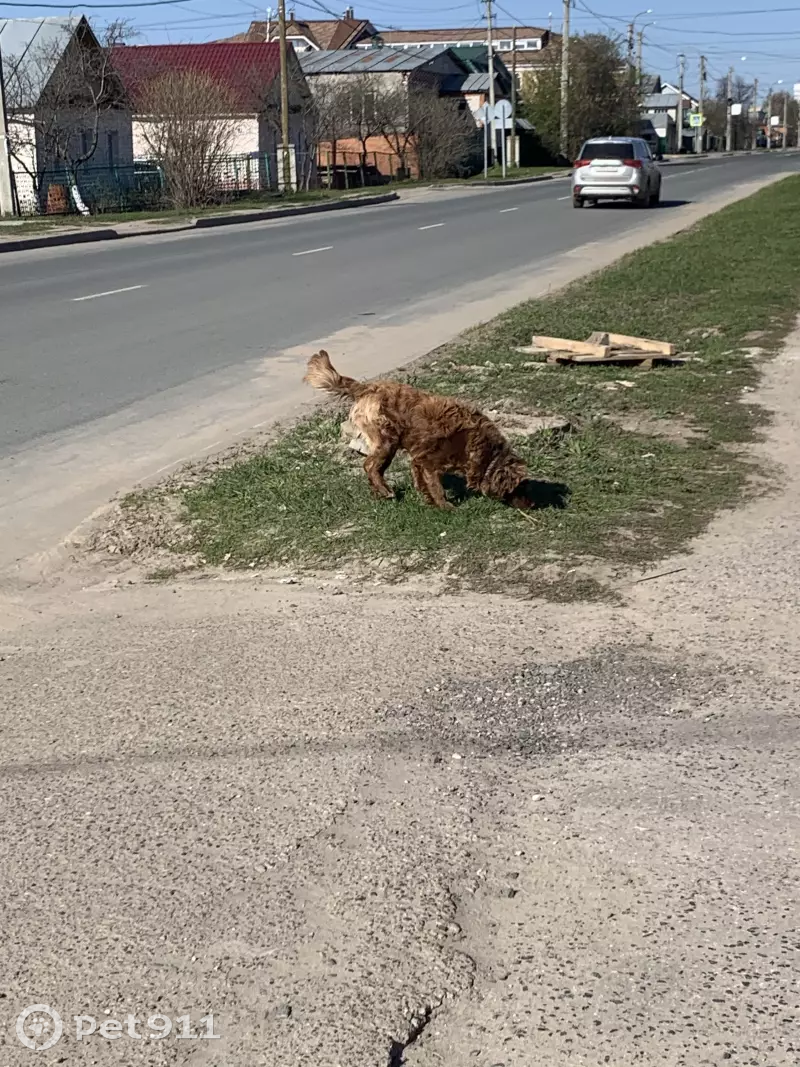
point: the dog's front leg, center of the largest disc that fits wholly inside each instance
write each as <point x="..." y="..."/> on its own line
<point x="375" y="466"/>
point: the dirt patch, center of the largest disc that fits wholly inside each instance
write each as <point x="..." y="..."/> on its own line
<point x="674" y="430"/>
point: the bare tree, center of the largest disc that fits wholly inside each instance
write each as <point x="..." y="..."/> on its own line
<point x="332" y="121"/>
<point x="189" y="126"/>
<point x="744" y="127"/>
<point x="394" y="114"/>
<point x="446" y="138"/>
<point x="360" y="111"/>
<point x="57" y="96"/>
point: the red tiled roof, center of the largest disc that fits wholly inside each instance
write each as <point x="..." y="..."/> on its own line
<point x="247" y="70"/>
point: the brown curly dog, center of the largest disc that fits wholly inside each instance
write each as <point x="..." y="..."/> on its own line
<point x="441" y="435"/>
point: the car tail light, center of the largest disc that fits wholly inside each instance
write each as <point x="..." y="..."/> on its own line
<point x="581" y="163"/>
<point x="635" y="163"/>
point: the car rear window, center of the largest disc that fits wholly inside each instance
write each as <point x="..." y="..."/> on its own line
<point x="608" y="150"/>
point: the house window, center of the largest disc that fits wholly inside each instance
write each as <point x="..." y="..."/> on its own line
<point x="505" y="46"/>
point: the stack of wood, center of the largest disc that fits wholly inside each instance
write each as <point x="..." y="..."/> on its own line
<point x="603" y="348"/>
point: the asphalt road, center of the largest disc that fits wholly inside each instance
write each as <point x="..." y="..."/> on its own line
<point x="88" y="330"/>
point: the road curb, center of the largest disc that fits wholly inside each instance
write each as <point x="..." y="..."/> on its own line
<point x="530" y="181"/>
<point x="53" y="240"/>
<point x="289" y="212"/>
<point x="207" y="222"/>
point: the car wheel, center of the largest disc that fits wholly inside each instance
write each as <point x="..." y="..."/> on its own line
<point x="577" y="201"/>
<point x="655" y="198"/>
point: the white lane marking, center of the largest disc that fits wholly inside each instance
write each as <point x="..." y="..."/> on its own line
<point x="506" y="210"/>
<point x="564" y="197"/>
<point x="433" y="226"/>
<point x="311" y="251"/>
<point x="108" y="292"/>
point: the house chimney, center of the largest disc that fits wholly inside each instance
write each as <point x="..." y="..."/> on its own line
<point x="349" y="13"/>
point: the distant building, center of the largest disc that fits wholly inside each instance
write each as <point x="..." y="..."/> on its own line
<point x="525" y="47"/>
<point x="311" y="35"/>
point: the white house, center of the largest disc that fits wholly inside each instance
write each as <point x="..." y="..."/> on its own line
<point x="248" y="74"/>
<point x="67" y="119"/>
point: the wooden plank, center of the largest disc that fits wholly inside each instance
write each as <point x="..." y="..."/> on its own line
<point x="644" y="344"/>
<point x="563" y="344"/>
<point x="634" y="355"/>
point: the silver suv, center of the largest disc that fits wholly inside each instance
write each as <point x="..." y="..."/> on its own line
<point x="616" y="168"/>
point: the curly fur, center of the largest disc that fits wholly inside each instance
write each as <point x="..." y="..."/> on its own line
<point x="441" y="435"/>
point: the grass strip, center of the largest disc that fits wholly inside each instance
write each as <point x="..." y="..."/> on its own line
<point x="648" y="463"/>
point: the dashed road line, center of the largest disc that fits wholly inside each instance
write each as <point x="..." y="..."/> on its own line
<point x="108" y="292"/>
<point x="311" y="251"/>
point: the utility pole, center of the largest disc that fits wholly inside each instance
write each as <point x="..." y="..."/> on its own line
<point x="785" y="119"/>
<point x="639" y="39"/>
<point x="679" y="113"/>
<point x="564" y="132"/>
<point x="769" y="119"/>
<point x="729" y="117"/>
<point x="6" y="187"/>
<point x="287" y="166"/>
<point x="492" y="100"/>
<point x="698" y="133"/>
<point x="754" y="135"/>
<point x="515" y="153"/>
<point x="630" y="45"/>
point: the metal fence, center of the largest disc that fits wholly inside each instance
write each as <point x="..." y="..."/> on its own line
<point x="144" y="186"/>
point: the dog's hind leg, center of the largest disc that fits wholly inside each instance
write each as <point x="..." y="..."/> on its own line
<point x="434" y="491"/>
<point x="375" y="466"/>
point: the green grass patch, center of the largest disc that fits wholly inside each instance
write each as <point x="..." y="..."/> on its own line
<point x="648" y="464"/>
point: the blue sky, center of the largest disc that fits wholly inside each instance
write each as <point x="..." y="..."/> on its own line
<point x="758" y="41"/>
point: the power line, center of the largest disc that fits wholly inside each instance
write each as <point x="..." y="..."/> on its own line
<point x="91" y="7"/>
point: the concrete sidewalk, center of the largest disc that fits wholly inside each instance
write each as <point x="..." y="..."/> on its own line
<point x="366" y="827"/>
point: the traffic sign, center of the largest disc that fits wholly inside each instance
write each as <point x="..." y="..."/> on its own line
<point x="696" y="119"/>
<point x="502" y="115"/>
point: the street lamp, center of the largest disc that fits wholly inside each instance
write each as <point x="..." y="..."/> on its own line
<point x="639" y="39"/>
<point x="768" y="132"/>
<point x="631" y="28"/>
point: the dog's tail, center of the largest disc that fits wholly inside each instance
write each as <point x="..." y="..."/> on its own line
<point x="322" y="374"/>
